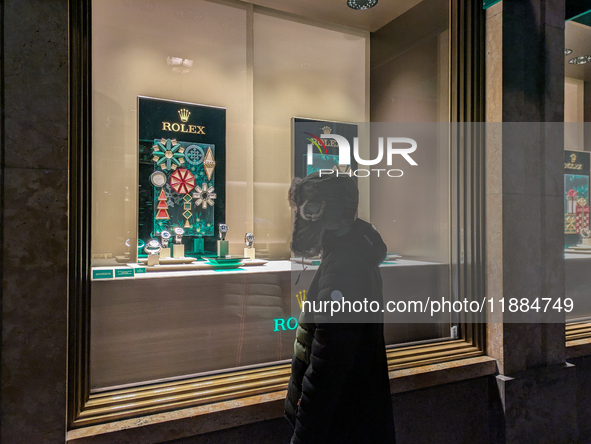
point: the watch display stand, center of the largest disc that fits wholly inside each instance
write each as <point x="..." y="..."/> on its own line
<point x="165" y="253"/>
<point x="249" y="253"/>
<point x="198" y="245"/>
<point x="223" y="248"/>
<point x="153" y="259"/>
<point x="178" y="251"/>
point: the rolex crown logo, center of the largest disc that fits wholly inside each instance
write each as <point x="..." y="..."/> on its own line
<point x="184" y="113"/>
<point x="301" y="297"/>
<point x="573" y="157"/>
<point x="326" y="129"/>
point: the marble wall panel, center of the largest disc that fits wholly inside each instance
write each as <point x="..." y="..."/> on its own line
<point x="34" y="312"/>
<point x="553" y="99"/>
<point x="539" y="406"/>
<point x="494" y="63"/>
<point x="36" y="83"/>
<point x="34" y="319"/>
<point x="275" y="431"/>
<point x="457" y="412"/>
<point x="583" y="402"/>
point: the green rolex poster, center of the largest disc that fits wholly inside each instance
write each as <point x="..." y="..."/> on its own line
<point x="181" y="169"/>
<point x="576" y="196"/>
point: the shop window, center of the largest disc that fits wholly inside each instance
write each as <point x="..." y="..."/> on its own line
<point x="577" y="145"/>
<point x="191" y="133"/>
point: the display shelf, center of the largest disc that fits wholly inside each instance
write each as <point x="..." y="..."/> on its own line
<point x="205" y="269"/>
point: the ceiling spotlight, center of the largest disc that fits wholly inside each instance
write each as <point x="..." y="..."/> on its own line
<point x="579" y="60"/>
<point x="568" y="51"/>
<point x="361" y="4"/>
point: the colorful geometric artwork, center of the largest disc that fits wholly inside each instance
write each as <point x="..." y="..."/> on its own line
<point x="194" y="155"/>
<point x="187" y="206"/>
<point x="168" y="154"/>
<point x="182" y="181"/>
<point x="209" y="163"/>
<point x="180" y="187"/>
<point x="204" y="196"/>
<point x="162" y="208"/>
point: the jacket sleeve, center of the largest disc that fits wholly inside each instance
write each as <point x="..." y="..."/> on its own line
<point x="331" y="360"/>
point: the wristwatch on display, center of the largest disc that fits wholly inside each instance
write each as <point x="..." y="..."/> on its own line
<point x="153" y="247"/>
<point x="179" y="235"/>
<point x="165" y="236"/>
<point x="223" y="231"/>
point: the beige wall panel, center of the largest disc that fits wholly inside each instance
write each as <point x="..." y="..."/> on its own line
<point x="305" y="71"/>
<point x="131" y="43"/>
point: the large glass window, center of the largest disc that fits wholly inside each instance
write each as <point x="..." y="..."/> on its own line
<point x="577" y="145"/>
<point x="194" y="146"/>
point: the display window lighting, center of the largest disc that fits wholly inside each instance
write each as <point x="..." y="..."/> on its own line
<point x="179" y="65"/>
<point x="581" y="60"/>
<point x="361" y="4"/>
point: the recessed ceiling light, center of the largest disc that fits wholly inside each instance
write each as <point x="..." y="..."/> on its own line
<point x="361" y="4"/>
<point x="568" y="51"/>
<point x="579" y="60"/>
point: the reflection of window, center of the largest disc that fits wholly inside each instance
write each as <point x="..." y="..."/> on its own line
<point x="173" y="339"/>
<point x="576" y="178"/>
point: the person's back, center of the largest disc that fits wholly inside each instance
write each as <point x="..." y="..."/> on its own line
<point x="339" y="389"/>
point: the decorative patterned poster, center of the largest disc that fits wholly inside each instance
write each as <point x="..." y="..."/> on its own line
<point x="576" y="195"/>
<point x="325" y="151"/>
<point x="181" y="168"/>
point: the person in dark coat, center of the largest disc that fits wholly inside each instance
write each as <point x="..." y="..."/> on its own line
<point x="339" y="389"/>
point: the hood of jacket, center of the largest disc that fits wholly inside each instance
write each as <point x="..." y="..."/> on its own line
<point x="361" y="240"/>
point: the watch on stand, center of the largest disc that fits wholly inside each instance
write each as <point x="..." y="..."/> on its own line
<point x="178" y="249"/>
<point x="153" y="248"/>
<point x="249" y="251"/>
<point x="222" y="244"/>
<point x="165" y="239"/>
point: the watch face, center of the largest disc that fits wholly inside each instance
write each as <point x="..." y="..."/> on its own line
<point x="158" y="179"/>
<point x="179" y="230"/>
<point x="153" y="244"/>
<point x="223" y="228"/>
<point x="249" y="239"/>
<point x="165" y="235"/>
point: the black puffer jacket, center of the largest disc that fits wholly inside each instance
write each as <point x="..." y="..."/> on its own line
<point x="339" y="390"/>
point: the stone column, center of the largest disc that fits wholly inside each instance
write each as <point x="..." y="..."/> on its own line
<point x="34" y="223"/>
<point x="525" y="83"/>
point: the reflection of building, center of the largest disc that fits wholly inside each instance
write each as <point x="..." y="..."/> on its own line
<point x="514" y="387"/>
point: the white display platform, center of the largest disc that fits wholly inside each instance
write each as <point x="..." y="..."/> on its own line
<point x="256" y="266"/>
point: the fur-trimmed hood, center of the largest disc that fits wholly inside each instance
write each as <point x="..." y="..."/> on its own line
<point x="321" y="203"/>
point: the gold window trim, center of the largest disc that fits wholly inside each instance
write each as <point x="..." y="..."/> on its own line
<point x="116" y="405"/>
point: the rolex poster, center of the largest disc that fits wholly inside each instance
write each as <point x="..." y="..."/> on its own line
<point x="181" y="169"/>
<point x="325" y="151"/>
<point x="576" y="196"/>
